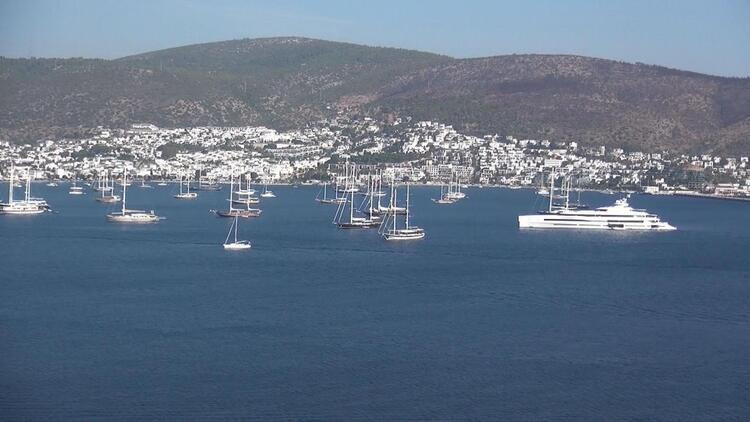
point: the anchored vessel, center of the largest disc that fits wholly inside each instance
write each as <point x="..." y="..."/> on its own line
<point x="237" y="245"/>
<point x="620" y="216"/>
<point x="131" y="216"/>
<point x="75" y="189"/>
<point x="350" y="221"/>
<point x="237" y="212"/>
<point x="267" y="193"/>
<point x="185" y="194"/>
<point x="326" y="200"/>
<point x="27" y="206"/>
<point x="408" y="232"/>
<point x="107" y="190"/>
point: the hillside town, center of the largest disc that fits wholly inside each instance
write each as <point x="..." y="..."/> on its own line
<point x="419" y="151"/>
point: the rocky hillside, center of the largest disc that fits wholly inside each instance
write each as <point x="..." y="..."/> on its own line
<point x="285" y="82"/>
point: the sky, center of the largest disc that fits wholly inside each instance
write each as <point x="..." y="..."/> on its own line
<point x="704" y="36"/>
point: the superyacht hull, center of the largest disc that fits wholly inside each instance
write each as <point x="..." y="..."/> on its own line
<point x="583" y="222"/>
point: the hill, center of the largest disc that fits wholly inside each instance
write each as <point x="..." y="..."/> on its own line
<point x="285" y="82"/>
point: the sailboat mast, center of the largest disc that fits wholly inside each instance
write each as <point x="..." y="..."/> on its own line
<point x="231" y="191"/>
<point x="124" y="188"/>
<point x="351" y="205"/>
<point x="551" y="188"/>
<point x="395" y="202"/>
<point x="10" y="185"/>
<point x="407" y="205"/>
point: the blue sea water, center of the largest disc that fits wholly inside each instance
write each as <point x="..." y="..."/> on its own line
<point x="479" y="320"/>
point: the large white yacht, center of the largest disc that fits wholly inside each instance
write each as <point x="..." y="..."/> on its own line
<point x="620" y="216"/>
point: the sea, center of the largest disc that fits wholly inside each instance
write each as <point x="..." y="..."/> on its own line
<point x="477" y="321"/>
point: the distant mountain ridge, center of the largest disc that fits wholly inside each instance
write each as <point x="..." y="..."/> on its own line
<point x="287" y="81"/>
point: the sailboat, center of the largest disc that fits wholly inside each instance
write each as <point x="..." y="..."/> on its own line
<point x="543" y="191"/>
<point x="325" y="199"/>
<point x="244" y="192"/>
<point x="108" y="192"/>
<point x="445" y="197"/>
<point x="144" y="185"/>
<point x="267" y="193"/>
<point x="408" y="232"/>
<point x="185" y="194"/>
<point x="351" y="222"/>
<point x="210" y="185"/>
<point x="236" y="212"/>
<point x="75" y="189"/>
<point x="27" y="206"/>
<point x="237" y="245"/>
<point x="131" y="216"/>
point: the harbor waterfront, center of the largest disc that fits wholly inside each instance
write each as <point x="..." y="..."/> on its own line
<point x="478" y="320"/>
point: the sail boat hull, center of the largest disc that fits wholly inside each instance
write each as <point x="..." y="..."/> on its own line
<point x="133" y="217"/>
<point x="237" y="246"/>
<point x="239" y="213"/>
<point x="404" y="234"/>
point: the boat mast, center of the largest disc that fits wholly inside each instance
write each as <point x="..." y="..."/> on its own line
<point x="351" y="205"/>
<point x="407" y="205"/>
<point x="231" y="190"/>
<point x="551" y="188"/>
<point x="394" y="204"/>
<point x="124" y="188"/>
<point x="28" y="185"/>
<point x="10" y="185"/>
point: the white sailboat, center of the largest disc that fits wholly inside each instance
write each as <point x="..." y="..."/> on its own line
<point x="408" y="232"/>
<point x="131" y="216"/>
<point x="325" y="199"/>
<point x="351" y="222"/>
<point x="236" y="245"/>
<point x="185" y="194"/>
<point x="267" y="193"/>
<point x="75" y="189"/>
<point x="27" y="206"/>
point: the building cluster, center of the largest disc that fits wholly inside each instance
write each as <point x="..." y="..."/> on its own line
<point x="419" y="151"/>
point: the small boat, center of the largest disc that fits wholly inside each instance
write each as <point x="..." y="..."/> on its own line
<point x="162" y="183"/>
<point x="267" y="193"/>
<point x="236" y="245"/>
<point x="131" y="216"/>
<point x="185" y="194"/>
<point x="144" y="185"/>
<point x="75" y="189"/>
<point x="325" y="199"/>
<point x="52" y="184"/>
